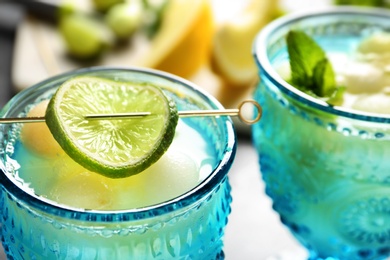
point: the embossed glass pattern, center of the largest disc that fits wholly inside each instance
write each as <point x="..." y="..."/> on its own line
<point x="188" y="227"/>
<point x="327" y="169"/>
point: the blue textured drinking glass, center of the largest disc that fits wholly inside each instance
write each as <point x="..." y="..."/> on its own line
<point x="326" y="168"/>
<point x="190" y="226"/>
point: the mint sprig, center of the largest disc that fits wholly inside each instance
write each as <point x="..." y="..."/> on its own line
<point x="311" y="71"/>
<point x="373" y="3"/>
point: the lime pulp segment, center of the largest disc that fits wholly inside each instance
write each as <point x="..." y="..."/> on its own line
<point x="114" y="148"/>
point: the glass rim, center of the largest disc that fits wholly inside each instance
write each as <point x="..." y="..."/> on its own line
<point x="259" y="52"/>
<point x="200" y="190"/>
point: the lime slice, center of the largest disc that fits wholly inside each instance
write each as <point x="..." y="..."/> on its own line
<point x="114" y="148"/>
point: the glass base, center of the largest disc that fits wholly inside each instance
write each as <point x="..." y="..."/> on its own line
<point x="293" y="254"/>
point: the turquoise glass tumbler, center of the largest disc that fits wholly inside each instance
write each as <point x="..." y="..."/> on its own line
<point x="190" y="226"/>
<point x="326" y="168"/>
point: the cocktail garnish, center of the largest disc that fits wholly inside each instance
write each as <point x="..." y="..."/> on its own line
<point x="191" y="113"/>
<point x="114" y="148"/>
<point x="89" y="118"/>
<point x="311" y="71"/>
<point x="128" y="115"/>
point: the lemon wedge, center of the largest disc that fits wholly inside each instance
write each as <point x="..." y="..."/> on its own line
<point x="183" y="42"/>
<point x="232" y="44"/>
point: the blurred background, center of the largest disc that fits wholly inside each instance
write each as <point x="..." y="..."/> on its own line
<point x="205" y="41"/>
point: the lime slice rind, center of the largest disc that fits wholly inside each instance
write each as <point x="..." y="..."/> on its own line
<point x="114" y="148"/>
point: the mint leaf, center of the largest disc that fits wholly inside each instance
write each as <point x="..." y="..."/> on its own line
<point x="304" y="55"/>
<point x="311" y="71"/>
<point x="324" y="78"/>
<point x="336" y="96"/>
<point x="373" y="3"/>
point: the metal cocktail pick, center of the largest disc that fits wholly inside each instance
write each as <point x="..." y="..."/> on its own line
<point x="186" y="113"/>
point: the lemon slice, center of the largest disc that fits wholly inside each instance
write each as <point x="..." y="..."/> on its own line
<point x="114" y="148"/>
<point x="232" y="45"/>
<point x="183" y="42"/>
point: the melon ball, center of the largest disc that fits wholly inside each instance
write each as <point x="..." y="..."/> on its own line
<point x="378" y="43"/>
<point x="174" y="174"/>
<point x="363" y="77"/>
<point x="37" y="136"/>
<point x="374" y="103"/>
<point x="82" y="189"/>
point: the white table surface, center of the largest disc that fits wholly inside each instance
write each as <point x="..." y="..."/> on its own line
<point x="254" y="230"/>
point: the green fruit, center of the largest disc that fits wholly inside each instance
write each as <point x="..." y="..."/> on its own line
<point x="84" y="36"/>
<point x="124" y="19"/>
<point x="115" y="148"/>
<point x="104" y="5"/>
